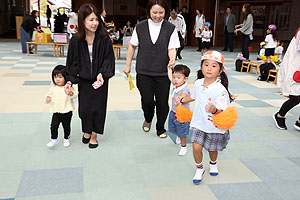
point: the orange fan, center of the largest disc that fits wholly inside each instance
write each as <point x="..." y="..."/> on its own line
<point x="183" y="114"/>
<point x="226" y="119"/>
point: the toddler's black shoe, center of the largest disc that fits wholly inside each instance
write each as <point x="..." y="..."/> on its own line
<point x="279" y="122"/>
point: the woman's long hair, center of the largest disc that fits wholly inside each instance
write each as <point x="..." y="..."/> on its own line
<point x="84" y="11"/>
<point x="247" y="12"/>
<point x="223" y="77"/>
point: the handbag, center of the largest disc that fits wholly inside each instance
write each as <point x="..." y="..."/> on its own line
<point x="296" y="76"/>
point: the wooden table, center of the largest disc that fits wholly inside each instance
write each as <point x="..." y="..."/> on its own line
<point x="35" y="46"/>
<point x="117" y="50"/>
<point x="61" y="49"/>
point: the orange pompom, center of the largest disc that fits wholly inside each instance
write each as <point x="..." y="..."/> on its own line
<point x="183" y="114"/>
<point x="226" y="119"/>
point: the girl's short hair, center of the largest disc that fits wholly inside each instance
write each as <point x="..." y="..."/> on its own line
<point x="59" y="69"/>
<point x="84" y="11"/>
<point x="223" y="77"/>
<point x="162" y="3"/>
<point x="185" y="70"/>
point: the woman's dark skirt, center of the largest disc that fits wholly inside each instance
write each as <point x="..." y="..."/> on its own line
<point x="92" y="106"/>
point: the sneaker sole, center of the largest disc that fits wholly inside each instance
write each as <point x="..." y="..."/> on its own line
<point x="196" y="181"/>
<point x="277" y="124"/>
<point x="297" y="127"/>
<point x="214" y="174"/>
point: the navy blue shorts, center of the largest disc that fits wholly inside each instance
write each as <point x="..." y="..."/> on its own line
<point x="182" y="129"/>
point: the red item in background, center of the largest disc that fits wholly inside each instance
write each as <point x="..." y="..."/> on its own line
<point x="71" y="26"/>
<point x="250" y="49"/>
<point x="296" y="76"/>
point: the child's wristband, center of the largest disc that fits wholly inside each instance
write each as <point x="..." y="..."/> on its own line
<point x="215" y="111"/>
<point x="181" y="100"/>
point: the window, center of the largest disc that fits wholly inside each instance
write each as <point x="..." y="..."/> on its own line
<point x="280" y="15"/>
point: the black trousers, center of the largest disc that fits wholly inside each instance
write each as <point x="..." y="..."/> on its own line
<point x="228" y="40"/>
<point x="181" y="40"/>
<point x="65" y="119"/>
<point x="92" y="106"/>
<point x="199" y="39"/>
<point x="245" y="46"/>
<point x="289" y="104"/>
<point x="154" y="92"/>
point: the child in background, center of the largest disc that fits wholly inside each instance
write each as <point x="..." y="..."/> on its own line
<point x="261" y="51"/>
<point x="179" y="77"/>
<point x="61" y="105"/>
<point x="279" y="51"/>
<point x="271" y="42"/>
<point x="211" y="97"/>
<point x="206" y="35"/>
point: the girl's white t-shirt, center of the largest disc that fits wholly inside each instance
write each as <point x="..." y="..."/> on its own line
<point x="271" y="43"/>
<point x="154" y="29"/>
<point x="215" y="93"/>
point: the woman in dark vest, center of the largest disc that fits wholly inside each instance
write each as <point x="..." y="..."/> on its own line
<point x="90" y="60"/>
<point x="157" y="40"/>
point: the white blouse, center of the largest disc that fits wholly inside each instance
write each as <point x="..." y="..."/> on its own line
<point x="154" y="29"/>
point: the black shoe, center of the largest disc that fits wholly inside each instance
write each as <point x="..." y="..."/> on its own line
<point x="231" y="50"/>
<point x="179" y="57"/>
<point x="224" y="49"/>
<point x="279" y="122"/>
<point x="93" y="146"/>
<point x="85" y="140"/>
<point x="297" y="125"/>
<point x="198" y="50"/>
<point x="30" y="52"/>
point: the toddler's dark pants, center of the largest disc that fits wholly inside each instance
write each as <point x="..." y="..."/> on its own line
<point x="65" y="119"/>
<point x="289" y="104"/>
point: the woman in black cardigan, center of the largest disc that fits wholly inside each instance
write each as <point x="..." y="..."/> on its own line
<point x="90" y="59"/>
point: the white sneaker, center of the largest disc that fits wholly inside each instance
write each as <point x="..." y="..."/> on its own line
<point x="183" y="151"/>
<point x="213" y="170"/>
<point x="52" y="143"/>
<point x="198" y="176"/>
<point x="66" y="142"/>
<point x="178" y="141"/>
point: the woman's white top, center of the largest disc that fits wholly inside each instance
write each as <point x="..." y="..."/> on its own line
<point x="199" y="25"/>
<point x="290" y="64"/>
<point x="91" y="52"/>
<point x="216" y="94"/>
<point x="271" y="43"/>
<point x="154" y="29"/>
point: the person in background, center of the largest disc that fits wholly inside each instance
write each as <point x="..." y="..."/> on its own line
<point x="279" y="51"/>
<point x="206" y="36"/>
<point x="180" y="25"/>
<point x="27" y="27"/>
<point x="229" y="23"/>
<point x="246" y="28"/>
<point x="271" y="42"/>
<point x="72" y="23"/>
<point x="127" y="29"/>
<point x="198" y="27"/>
<point x="186" y="17"/>
<point x="48" y="14"/>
